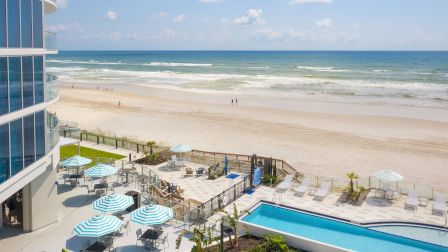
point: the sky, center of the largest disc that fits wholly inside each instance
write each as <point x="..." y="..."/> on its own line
<point x="250" y="24"/>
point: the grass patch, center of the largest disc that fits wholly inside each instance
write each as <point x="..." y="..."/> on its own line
<point x="94" y="154"/>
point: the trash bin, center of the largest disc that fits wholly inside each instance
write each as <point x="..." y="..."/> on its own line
<point x="136" y="196"/>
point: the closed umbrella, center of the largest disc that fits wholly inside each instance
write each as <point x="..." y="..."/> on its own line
<point x="98" y="226"/>
<point x="152" y="215"/>
<point x="113" y="203"/>
<point x="226" y="163"/>
<point x="101" y="170"/>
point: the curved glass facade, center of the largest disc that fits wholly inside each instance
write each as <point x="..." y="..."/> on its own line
<point x="21" y="23"/>
<point x="23" y="141"/>
<point x="21" y="82"/>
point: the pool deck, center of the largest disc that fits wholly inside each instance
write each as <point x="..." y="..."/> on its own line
<point x="75" y="206"/>
<point x="372" y="210"/>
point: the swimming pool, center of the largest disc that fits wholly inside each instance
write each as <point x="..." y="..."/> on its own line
<point x="338" y="234"/>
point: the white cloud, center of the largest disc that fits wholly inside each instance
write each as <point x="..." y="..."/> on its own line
<point x="418" y="36"/>
<point x="111" y="15"/>
<point x="62" y="3"/>
<point x="289" y="34"/>
<point x="324" y="23"/>
<point x="294" y="2"/>
<point x="210" y="1"/>
<point x="162" y="14"/>
<point x="179" y="18"/>
<point x="253" y="16"/>
<point x="72" y="27"/>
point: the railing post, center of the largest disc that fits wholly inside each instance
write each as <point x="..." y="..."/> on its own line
<point x="80" y="137"/>
<point x="116" y="143"/>
<point x="97" y="140"/>
<point x="137" y="149"/>
<point x="234" y="192"/>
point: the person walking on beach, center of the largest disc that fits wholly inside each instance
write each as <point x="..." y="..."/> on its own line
<point x="232" y="102"/>
<point x="236" y="100"/>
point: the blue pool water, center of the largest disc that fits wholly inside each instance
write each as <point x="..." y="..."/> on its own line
<point x="333" y="232"/>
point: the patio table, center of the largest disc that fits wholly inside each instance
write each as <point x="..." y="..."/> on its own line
<point x="151" y="235"/>
<point x="99" y="246"/>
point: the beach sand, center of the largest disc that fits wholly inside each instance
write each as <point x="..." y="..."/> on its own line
<point x="319" y="138"/>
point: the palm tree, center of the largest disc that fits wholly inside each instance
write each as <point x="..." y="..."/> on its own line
<point x="232" y="220"/>
<point x="352" y="176"/>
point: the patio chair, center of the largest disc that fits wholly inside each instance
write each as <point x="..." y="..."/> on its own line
<point x="303" y="187"/>
<point x="162" y="241"/>
<point x="200" y="171"/>
<point x="89" y="191"/>
<point x="412" y="200"/>
<point x="286" y="182"/>
<point x="139" y="239"/>
<point x="188" y="171"/>
<point x="125" y="226"/>
<point x="173" y="162"/>
<point x="439" y="204"/>
<point x="322" y="191"/>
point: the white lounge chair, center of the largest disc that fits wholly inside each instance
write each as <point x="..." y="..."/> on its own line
<point x="322" y="192"/>
<point x="439" y="204"/>
<point x="412" y="200"/>
<point x="286" y="182"/>
<point x="301" y="189"/>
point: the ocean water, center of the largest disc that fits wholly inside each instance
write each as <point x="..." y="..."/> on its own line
<point x="405" y="78"/>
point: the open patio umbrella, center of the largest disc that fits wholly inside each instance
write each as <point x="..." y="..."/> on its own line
<point x="98" y="226"/>
<point x="101" y="170"/>
<point x="180" y="148"/>
<point x="113" y="203"/>
<point x="75" y="161"/>
<point x="388" y="176"/>
<point x="152" y="215"/>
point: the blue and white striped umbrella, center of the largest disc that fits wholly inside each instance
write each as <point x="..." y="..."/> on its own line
<point x="152" y="215"/>
<point x="180" y="148"/>
<point x="98" y="226"/>
<point x="113" y="203"/>
<point x="101" y="170"/>
<point x="387" y="175"/>
<point x="75" y="161"/>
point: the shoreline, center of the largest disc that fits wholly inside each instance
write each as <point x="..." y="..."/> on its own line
<point x="298" y="132"/>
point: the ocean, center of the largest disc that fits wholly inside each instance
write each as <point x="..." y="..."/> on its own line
<point x="404" y="78"/>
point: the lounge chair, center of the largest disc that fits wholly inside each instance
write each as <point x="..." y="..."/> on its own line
<point x="439" y="204"/>
<point x="303" y="187"/>
<point x="322" y="191"/>
<point x="188" y="171"/>
<point x="200" y="171"/>
<point x="286" y="182"/>
<point x="412" y="200"/>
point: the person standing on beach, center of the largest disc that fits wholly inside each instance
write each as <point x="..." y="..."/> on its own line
<point x="119" y="103"/>
<point x="236" y="100"/>
<point x="232" y="101"/>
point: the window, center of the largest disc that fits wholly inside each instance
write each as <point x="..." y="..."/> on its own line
<point x="3" y="85"/>
<point x="27" y="77"/>
<point x="15" y="84"/>
<point x="16" y="146"/>
<point x="38" y="79"/>
<point x="3" y="39"/>
<point x="26" y="23"/>
<point x="40" y="134"/>
<point x="28" y="140"/>
<point x="4" y="152"/>
<point x="13" y="23"/>
<point x="37" y="24"/>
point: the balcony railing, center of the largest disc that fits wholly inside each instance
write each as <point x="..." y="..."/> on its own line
<point x="51" y="42"/>
<point x="51" y="89"/>
<point x="52" y="131"/>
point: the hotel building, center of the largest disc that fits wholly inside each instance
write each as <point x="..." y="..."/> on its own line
<point x="29" y="151"/>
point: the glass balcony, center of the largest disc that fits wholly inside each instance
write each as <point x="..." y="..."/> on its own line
<point x="51" y="42"/>
<point x="52" y="131"/>
<point x="51" y="89"/>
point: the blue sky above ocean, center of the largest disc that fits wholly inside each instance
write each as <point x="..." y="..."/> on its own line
<point x="251" y="24"/>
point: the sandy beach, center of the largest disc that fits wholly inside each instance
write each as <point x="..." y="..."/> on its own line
<point x="319" y="138"/>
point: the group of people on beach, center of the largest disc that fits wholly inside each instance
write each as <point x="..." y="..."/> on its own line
<point x="236" y="101"/>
